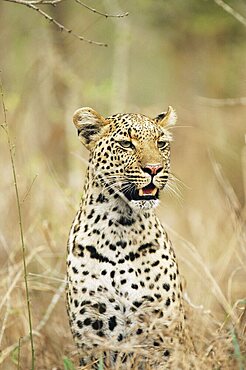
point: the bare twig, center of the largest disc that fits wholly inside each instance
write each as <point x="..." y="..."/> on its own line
<point x="106" y="15"/>
<point x="61" y="27"/>
<point x="23" y="246"/>
<point x="40" y="2"/>
<point x="231" y="11"/>
<point x="36" y="2"/>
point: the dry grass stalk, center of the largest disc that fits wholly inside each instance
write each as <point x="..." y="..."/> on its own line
<point x="18" y="203"/>
<point x="36" y="330"/>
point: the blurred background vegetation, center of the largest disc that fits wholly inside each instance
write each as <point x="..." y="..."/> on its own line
<point x="188" y="54"/>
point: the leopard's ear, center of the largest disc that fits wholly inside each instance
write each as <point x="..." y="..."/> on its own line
<point x="89" y="124"/>
<point x="168" y="118"/>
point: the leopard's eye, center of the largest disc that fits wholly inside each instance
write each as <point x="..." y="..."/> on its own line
<point x="161" y="144"/>
<point x="126" y="144"/>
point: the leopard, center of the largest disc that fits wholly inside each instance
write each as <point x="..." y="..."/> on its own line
<point x="124" y="290"/>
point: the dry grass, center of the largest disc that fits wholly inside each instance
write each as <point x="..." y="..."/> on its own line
<point x="206" y="225"/>
<point x="216" y="284"/>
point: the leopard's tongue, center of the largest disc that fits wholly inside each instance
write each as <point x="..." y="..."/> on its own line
<point x="148" y="190"/>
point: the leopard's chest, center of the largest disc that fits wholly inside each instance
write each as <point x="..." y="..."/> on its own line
<point x="129" y="265"/>
<point x="122" y="273"/>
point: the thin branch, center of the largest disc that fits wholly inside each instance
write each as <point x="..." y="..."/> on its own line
<point x="60" y="26"/>
<point x="23" y="246"/>
<point x="41" y="2"/>
<point x="231" y="11"/>
<point x="50" y="2"/>
<point x="106" y="15"/>
<point x="36" y="2"/>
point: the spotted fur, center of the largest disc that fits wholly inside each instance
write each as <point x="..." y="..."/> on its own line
<point x="123" y="278"/>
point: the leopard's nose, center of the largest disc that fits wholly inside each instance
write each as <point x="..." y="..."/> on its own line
<point x="152" y="169"/>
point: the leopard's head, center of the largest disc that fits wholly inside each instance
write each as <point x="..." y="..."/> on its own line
<point x="130" y="153"/>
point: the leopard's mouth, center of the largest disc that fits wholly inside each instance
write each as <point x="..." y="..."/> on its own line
<point x="149" y="192"/>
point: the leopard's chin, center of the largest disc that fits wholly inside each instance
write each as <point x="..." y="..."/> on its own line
<point x="144" y="204"/>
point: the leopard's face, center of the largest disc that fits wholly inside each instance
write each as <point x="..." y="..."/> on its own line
<point x="130" y="155"/>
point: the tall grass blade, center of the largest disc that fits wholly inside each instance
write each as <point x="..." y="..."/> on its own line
<point x="237" y="350"/>
<point x="67" y="363"/>
<point x="11" y="152"/>
<point x="100" y="364"/>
